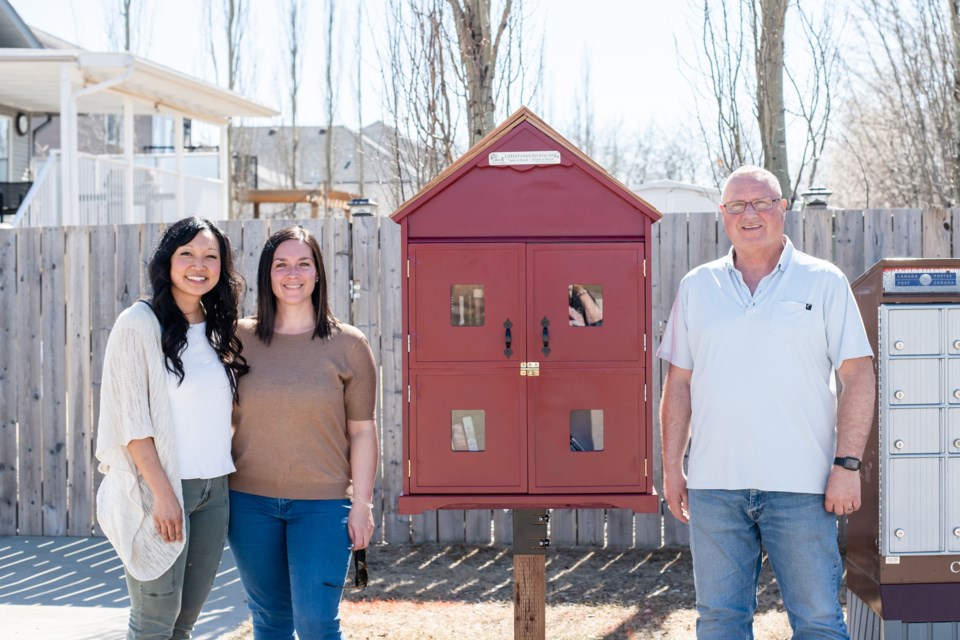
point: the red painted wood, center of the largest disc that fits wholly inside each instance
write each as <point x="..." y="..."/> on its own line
<point x="637" y="502"/>
<point x="501" y="467"/>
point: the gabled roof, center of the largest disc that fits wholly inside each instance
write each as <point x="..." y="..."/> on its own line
<point x="473" y="157"/>
<point x="30" y="81"/>
<point x="13" y="31"/>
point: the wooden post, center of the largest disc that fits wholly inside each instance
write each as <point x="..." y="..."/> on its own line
<point x="530" y="544"/>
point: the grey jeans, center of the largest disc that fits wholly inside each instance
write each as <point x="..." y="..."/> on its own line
<point x="168" y="607"/>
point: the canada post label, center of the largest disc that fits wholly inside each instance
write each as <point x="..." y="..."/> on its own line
<point x="507" y="158"/>
<point x="921" y="281"/>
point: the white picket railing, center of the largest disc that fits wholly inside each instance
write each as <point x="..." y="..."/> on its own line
<point x="101" y="195"/>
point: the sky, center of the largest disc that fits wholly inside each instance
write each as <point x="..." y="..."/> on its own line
<point x="629" y="46"/>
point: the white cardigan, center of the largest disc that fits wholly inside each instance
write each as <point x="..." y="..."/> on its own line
<point x="134" y="404"/>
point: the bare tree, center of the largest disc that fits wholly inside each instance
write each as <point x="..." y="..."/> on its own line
<point x="123" y="19"/>
<point x="900" y="141"/>
<point x="294" y="28"/>
<point x="746" y="91"/>
<point x="479" y="41"/>
<point x="330" y="98"/>
<point x="767" y="22"/>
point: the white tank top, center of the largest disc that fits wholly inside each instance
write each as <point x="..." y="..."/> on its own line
<point x="201" y="407"/>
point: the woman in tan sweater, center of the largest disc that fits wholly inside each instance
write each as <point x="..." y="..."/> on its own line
<point x="305" y="446"/>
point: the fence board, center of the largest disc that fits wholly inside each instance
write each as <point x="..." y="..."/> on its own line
<point x="848" y="243"/>
<point x="590" y="527"/>
<point x="702" y="238"/>
<point x="906" y="234"/>
<point x="563" y="527"/>
<point x="30" y="384"/>
<point x="818" y="233"/>
<point x="9" y="373"/>
<point x="423" y="527"/>
<point x="503" y="526"/>
<point x="54" y="438"/>
<point x="253" y="237"/>
<point x="103" y="279"/>
<point x="877" y="232"/>
<point x="450" y="525"/>
<point x="78" y="383"/>
<point x="336" y="251"/>
<point x="793" y="228"/>
<point x="129" y="250"/>
<point x="396" y="527"/>
<point x="150" y="235"/>
<point x="936" y="227"/>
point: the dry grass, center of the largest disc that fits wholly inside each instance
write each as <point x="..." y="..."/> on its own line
<point x="441" y="592"/>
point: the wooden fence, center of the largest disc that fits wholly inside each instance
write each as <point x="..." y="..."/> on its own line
<point x="62" y="288"/>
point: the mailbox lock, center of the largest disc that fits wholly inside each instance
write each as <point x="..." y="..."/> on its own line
<point x="956" y="393"/>
<point x="899" y="533"/>
<point x="956" y="443"/>
<point x="956" y="344"/>
<point x="900" y="394"/>
<point x="898" y="345"/>
<point x="898" y="444"/>
<point x="956" y="532"/>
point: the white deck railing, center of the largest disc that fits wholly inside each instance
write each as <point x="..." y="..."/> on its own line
<point x="101" y="195"/>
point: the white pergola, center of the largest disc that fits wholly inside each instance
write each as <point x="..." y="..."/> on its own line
<point x="70" y="82"/>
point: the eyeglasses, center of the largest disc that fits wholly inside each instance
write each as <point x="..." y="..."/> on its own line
<point x="739" y="206"/>
<point x="360" y="576"/>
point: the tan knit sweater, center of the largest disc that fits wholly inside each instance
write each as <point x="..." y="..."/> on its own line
<point x="290" y="427"/>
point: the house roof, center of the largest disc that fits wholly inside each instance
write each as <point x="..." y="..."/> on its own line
<point x="475" y="155"/>
<point x="30" y="81"/>
<point x="13" y="31"/>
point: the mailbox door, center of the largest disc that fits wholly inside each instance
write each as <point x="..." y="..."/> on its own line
<point x="568" y="286"/>
<point x="470" y="434"/>
<point x="953" y="504"/>
<point x="913" y="430"/>
<point x="463" y="294"/>
<point x="913" y="506"/>
<point x="913" y="332"/>
<point x="953" y="431"/>
<point x="586" y="431"/>
<point x="913" y="381"/>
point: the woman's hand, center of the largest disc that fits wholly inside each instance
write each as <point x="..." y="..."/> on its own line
<point x="168" y="517"/>
<point x="360" y="524"/>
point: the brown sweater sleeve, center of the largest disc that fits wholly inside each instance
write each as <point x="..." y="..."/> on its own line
<point x="360" y="389"/>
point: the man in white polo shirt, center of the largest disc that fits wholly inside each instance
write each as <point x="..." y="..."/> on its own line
<point x="753" y="341"/>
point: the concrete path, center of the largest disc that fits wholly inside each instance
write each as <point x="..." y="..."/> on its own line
<point x="73" y="589"/>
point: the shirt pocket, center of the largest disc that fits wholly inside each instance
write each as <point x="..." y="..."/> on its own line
<point x="797" y="321"/>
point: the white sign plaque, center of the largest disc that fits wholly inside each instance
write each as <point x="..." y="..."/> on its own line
<point x="508" y="158"/>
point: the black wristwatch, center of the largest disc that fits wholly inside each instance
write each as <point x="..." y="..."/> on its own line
<point x="848" y="463"/>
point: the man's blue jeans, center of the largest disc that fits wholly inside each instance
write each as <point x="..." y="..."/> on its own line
<point x="727" y="530"/>
<point x="285" y="551"/>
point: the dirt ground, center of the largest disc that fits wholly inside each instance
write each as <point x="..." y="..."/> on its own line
<point x="458" y="591"/>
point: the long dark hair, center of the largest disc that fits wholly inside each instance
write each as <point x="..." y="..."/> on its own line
<point x="267" y="303"/>
<point x="220" y="304"/>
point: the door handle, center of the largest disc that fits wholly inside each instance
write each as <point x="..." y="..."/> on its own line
<point x="507" y="338"/>
<point x="545" y="323"/>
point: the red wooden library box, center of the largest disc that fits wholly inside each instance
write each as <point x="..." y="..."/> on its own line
<point x="526" y="309"/>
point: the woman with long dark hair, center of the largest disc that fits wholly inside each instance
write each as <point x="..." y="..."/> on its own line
<point x="305" y="447"/>
<point x="170" y="377"/>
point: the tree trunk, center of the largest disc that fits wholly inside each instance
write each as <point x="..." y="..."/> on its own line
<point x="770" y="105"/>
<point x="955" y="32"/>
<point x="478" y="54"/>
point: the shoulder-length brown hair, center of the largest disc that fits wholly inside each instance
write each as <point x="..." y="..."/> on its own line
<point x="267" y="303"/>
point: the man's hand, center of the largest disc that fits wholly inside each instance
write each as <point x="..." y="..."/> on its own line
<point x="843" y="491"/>
<point x="675" y="495"/>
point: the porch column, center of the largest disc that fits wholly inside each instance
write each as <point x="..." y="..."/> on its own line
<point x="128" y="213"/>
<point x="225" y="178"/>
<point x="178" y="158"/>
<point x="69" y="156"/>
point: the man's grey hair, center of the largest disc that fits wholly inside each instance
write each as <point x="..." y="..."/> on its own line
<point x="758" y="173"/>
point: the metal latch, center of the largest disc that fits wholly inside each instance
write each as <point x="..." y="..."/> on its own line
<point x="530" y="368"/>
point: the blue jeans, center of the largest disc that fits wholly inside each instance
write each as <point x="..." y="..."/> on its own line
<point x="285" y="551"/>
<point x="169" y="606"/>
<point x="727" y="530"/>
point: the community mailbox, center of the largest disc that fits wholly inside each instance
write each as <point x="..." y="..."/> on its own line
<point x="526" y="319"/>
<point x="903" y="545"/>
